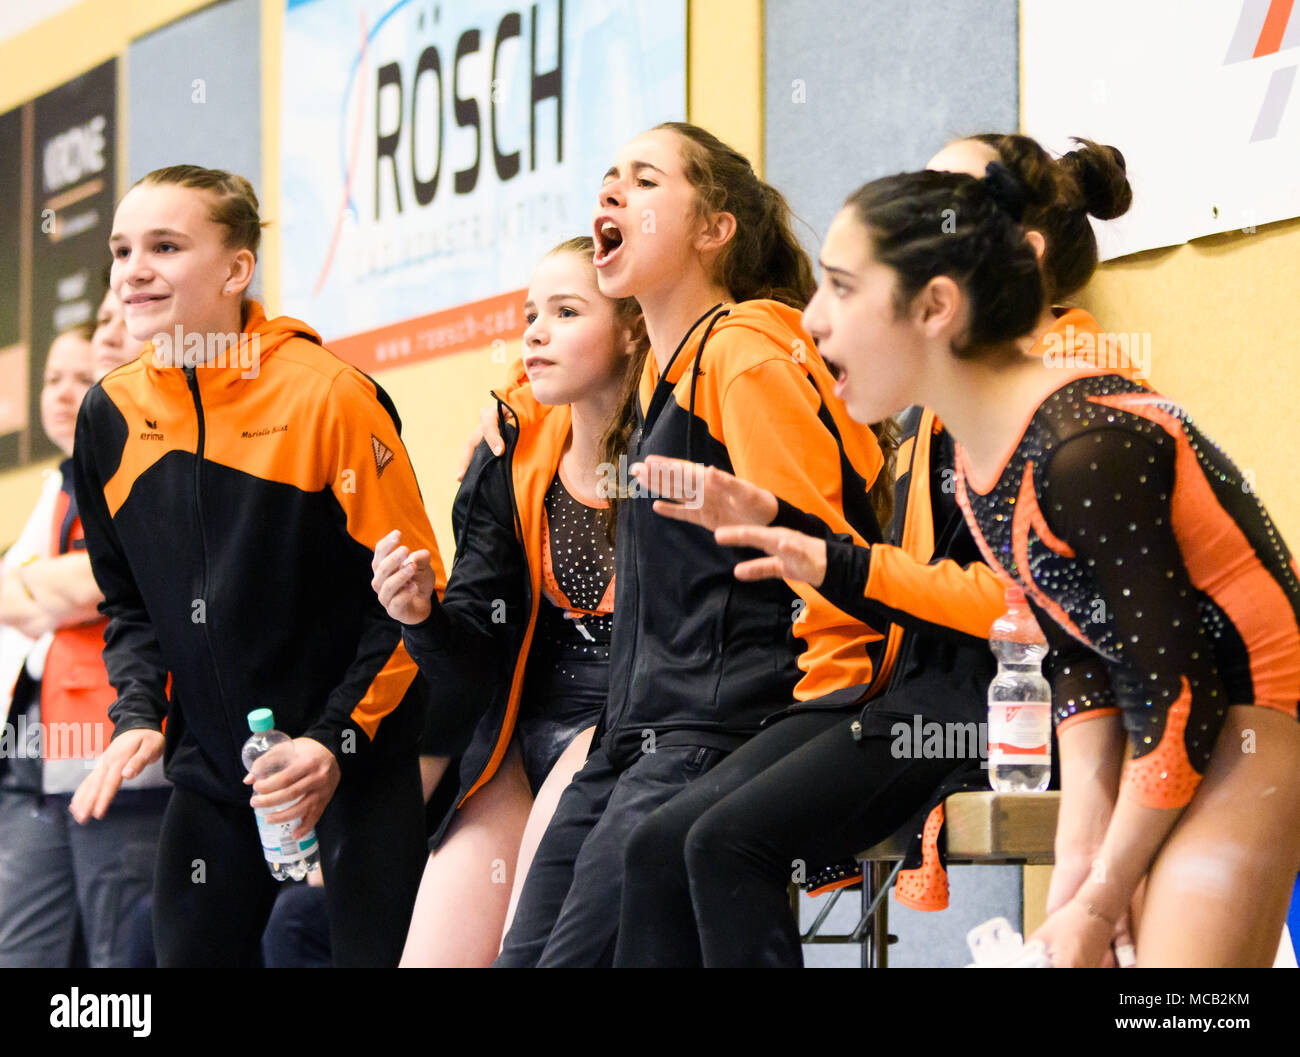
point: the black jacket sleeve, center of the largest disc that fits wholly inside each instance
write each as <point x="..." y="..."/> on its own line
<point x="941" y="597"/>
<point x="467" y="647"/>
<point x="131" y="652"/>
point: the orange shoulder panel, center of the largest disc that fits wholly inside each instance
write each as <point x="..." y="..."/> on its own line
<point x="159" y="414"/>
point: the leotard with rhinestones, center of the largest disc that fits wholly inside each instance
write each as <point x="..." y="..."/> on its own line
<point x="1161" y="583"/>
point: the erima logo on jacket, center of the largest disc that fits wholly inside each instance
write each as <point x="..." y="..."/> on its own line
<point x="383" y="455"/>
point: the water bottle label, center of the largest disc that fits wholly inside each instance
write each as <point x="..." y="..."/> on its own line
<point x="1020" y="733"/>
<point x="278" y="844"/>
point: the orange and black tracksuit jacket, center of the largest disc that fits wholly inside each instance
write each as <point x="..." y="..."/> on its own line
<point x="230" y="513"/>
<point x="932" y="591"/>
<point x="473" y="648"/>
<point x="698" y="657"/>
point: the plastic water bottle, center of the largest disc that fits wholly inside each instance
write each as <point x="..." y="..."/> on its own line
<point x="1020" y="703"/>
<point x="264" y="754"/>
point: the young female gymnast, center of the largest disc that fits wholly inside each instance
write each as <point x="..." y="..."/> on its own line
<point x="685" y="226"/>
<point x="232" y="484"/>
<point x="521" y="638"/>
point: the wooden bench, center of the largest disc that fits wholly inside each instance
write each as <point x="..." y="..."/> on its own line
<point x="984" y="828"/>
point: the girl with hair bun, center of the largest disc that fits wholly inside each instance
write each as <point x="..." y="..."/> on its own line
<point x="1171" y="604"/>
<point x="684" y="225"/>
<point x="233" y="481"/>
<point x="1059" y="194"/>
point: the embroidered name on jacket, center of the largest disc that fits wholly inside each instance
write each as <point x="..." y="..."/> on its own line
<point x="265" y="430"/>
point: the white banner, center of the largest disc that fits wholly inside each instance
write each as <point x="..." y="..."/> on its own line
<point x="1198" y="95"/>
<point x="431" y="153"/>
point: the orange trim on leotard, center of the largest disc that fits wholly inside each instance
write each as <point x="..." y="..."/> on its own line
<point x="843" y="882"/>
<point x="1078" y="717"/>
<point x="963" y="501"/>
<point x="596" y="504"/>
<point x="552" y="586"/>
<point x="1036" y="520"/>
<point x="1027" y="516"/>
<point x="1165" y="776"/>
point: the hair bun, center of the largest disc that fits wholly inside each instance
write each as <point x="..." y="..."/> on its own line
<point x="1102" y="177"/>
<point x="1005" y="190"/>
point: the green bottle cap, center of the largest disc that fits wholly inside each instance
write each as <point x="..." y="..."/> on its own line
<point x="261" y="719"/>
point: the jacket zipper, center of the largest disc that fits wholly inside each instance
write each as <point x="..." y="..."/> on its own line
<point x="904" y="643"/>
<point x="625" y="537"/>
<point x="192" y="380"/>
<point x="659" y="398"/>
<point x="509" y="456"/>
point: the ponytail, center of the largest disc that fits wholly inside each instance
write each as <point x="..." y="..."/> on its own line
<point x="881" y="494"/>
<point x="618" y="434"/>
<point x="763" y="259"/>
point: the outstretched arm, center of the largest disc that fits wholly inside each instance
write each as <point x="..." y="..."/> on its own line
<point x="875" y="584"/>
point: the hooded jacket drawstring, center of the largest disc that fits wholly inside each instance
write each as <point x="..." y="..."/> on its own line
<point x="695" y="376"/>
<point x="662" y="392"/>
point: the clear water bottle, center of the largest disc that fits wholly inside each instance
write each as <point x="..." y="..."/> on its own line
<point x="265" y="753"/>
<point x="1020" y="702"/>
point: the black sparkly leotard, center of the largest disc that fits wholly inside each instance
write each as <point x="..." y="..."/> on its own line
<point x="568" y="662"/>
<point x="1162" y="585"/>
<point x="577" y="577"/>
